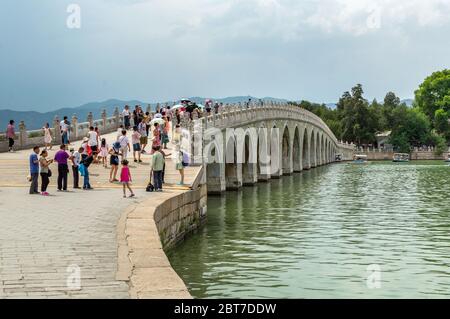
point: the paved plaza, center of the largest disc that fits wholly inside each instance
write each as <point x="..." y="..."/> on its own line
<point x="46" y="242"/>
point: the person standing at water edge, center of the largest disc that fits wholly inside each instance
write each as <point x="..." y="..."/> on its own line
<point x="61" y="158"/>
<point x="157" y="168"/>
<point x="34" y="171"/>
<point x="45" y="172"/>
<point x="10" y="135"/>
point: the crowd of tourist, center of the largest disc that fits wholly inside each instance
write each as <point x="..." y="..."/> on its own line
<point x="138" y="131"/>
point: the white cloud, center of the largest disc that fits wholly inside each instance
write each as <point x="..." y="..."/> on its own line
<point x="290" y="19"/>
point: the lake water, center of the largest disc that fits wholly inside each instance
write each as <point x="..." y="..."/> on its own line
<point x="380" y="230"/>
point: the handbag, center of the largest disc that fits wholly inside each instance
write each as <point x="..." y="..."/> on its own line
<point x="49" y="174"/>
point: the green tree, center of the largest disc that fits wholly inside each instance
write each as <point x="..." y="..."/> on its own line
<point x="441" y="123"/>
<point x="434" y="93"/>
<point x="358" y="122"/>
<point x="411" y="128"/>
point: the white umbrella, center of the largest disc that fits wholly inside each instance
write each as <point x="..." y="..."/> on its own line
<point x="176" y="107"/>
<point x="200" y="106"/>
<point x="157" y="120"/>
<point x="158" y="115"/>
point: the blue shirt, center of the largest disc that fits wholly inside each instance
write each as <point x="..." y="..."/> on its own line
<point x="34" y="164"/>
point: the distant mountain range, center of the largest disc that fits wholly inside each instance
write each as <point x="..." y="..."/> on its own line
<point x="35" y="120"/>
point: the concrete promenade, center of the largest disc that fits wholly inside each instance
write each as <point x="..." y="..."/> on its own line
<point x="45" y="241"/>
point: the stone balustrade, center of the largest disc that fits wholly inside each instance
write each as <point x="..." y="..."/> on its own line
<point x="78" y="130"/>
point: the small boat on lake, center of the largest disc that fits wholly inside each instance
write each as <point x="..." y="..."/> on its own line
<point x="360" y="159"/>
<point x="401" y="158"/>
<point x="448" y="158"/>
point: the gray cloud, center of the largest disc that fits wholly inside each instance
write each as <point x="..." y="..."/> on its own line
<point x="163" y="49"/>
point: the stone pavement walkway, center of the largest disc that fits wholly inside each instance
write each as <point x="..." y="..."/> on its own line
<point x="46" y="241"/>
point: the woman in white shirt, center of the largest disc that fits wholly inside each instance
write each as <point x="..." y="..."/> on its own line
<point x="126" y="117"/>
<point x="124" y="144"/>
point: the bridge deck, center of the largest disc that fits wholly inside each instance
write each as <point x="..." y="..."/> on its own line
<point x="40" y="237"/>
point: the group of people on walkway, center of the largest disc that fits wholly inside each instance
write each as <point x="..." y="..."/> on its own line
<point x="95" y="150"/>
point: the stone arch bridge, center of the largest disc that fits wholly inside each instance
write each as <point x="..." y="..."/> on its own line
<point x="242" y="145"/>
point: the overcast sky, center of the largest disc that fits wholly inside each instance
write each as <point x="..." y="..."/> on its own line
<point x="158" y="50"/>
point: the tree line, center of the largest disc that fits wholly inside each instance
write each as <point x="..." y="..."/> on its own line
<point x="357" y="120"/>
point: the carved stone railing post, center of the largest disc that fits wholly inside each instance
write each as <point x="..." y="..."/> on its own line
<point x="149" y="108"/>
<point x="116" y="115"/>
<point x="104" y="119"/>
<point x="22" y="134"/>
<point x="90" y="119"/>
<point x="74" y="127"/>
<point x="57" y="129"/>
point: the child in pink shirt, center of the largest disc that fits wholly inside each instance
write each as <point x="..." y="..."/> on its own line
<point x="125" y="178"/>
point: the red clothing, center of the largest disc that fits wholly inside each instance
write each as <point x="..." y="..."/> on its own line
<point x="10" y="131"/>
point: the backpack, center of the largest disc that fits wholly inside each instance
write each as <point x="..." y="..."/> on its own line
<point x="82" y="169"/>
<point x="88" y="161"/>
<point x="150" y="187"/>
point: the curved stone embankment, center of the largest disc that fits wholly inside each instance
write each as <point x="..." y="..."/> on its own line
<point x="145" y="230"/>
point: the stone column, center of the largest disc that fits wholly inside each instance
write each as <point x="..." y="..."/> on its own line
<point x="117" y="118"/>
<point x="74" y="127"/>
<point x="23" y="135"/>
<point x="233" y="176"/>
<point x="90" y="119"/>
<point x="215" y="175"/>
<point x="57" y="137"/>
<point x="104" y="119"/>
<point x="249" y="174"/>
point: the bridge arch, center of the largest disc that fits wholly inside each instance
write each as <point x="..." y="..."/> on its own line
<point x="306" y="156"/>
<point x="286" y="151"/>
<point x="297" y="150"/>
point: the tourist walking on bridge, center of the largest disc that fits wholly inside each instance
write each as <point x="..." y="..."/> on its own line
<point x="93" y="142"/>
<point x="124" y="145"/>
<point x="47" y="136"/>
<point x="10" y="135"/>
<point x="45" y="172"/>
<point x="126" y="117"/>
<point x="114" y="162"/>
<point x="64" y="126"/>
<point x="156" y="141"/>
<point x="34" y="171"/>
<point x="61" y="158"/>
<point x="142" y="128"/>
<point x="125" y="178"/>
<point x="76" y="159"/>
<point x="158" y="162"/>
<point x="136" y="141"/>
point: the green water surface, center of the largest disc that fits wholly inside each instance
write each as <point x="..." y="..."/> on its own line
<point x="322" y="233"/>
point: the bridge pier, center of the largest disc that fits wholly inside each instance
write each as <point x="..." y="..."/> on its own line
<point x="249" y="174"/>
<point x="216" y="178"/>
<point x="233" y="176"/>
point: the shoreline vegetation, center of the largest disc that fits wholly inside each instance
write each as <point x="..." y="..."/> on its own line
<point x="426" y="123"/>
